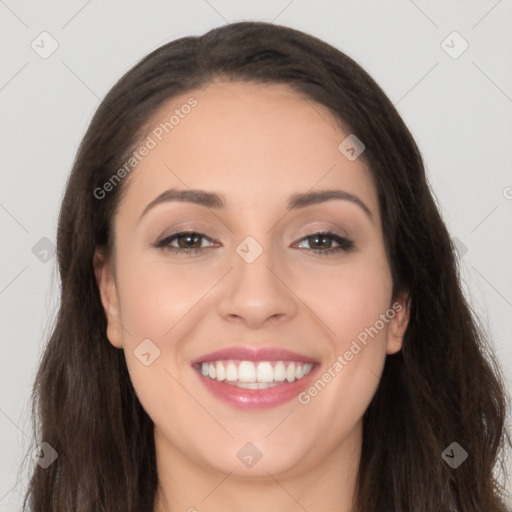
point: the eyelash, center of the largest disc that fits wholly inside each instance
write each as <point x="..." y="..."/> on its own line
<point x="345" y="244"/>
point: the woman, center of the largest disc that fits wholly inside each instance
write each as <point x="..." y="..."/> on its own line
<point x="260" y="302"/>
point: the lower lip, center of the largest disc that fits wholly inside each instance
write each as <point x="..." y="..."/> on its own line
<point x="256" y="398"/>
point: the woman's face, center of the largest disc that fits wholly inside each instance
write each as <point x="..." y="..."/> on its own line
<point x="293" y="288"/>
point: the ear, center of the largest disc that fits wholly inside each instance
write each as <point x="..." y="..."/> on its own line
<point x="109" y="297"/>
<point x="398" y="323"/>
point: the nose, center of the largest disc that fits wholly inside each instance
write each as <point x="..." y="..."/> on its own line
<point x="257" y="293"/>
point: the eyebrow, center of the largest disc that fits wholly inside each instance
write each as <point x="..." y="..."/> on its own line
<point x="216" y="201"/>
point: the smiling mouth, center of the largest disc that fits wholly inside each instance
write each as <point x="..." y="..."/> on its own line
<point x="254" y="375"/>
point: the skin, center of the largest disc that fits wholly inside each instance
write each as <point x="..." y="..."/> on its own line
<point x="256" y="145"/>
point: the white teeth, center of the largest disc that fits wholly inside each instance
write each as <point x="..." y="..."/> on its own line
<point x="279" y="372"/>
<point x="246" y="371"/>
<point x="221" y="371"/>
<point x="290" y="372"/>
<point x="265" y="372"/>
<point x="250" y="385"/>
<point x="231" y="372"/>
<point x="250" y="375"/>
<point x="256" y="385"/>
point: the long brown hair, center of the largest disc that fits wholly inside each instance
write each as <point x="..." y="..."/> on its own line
<point x="444" y="385"/>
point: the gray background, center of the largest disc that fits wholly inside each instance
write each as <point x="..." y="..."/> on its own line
<point x="458" y="109"/>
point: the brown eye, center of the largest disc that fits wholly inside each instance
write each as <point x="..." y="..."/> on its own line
<point x="321" y="243"/>
<point x="187" y="242"/>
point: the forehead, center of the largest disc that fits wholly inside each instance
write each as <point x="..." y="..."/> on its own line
<point x="251" y="142"/>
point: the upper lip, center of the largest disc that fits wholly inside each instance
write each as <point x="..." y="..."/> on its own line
<point x="253" y="354"/>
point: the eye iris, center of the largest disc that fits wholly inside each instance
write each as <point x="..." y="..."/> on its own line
<point x="325" y="243"/>
<point x="188" y="238"/>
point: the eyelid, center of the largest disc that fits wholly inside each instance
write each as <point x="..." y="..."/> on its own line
<point x="164" y="240"/>
<point x="322" y="227"/>
<point x="330" y="230"/>
<point x="345" y="243"/>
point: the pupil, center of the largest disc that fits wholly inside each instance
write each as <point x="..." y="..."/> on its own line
<point x="325" y="245"/>
<point x="188" y="238"/>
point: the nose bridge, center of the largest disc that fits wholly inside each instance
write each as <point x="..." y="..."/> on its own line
<point x="254" y="260"/>
<point x="255" y="291"/>
<point x="253" y="264"/>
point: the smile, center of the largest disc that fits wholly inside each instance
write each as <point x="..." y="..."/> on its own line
<point x="254" y="375"/>
<point x="255" y="378"/>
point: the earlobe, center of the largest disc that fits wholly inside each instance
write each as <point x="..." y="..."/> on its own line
<point x="398" y="323"/>
<point x="109" y="298"/>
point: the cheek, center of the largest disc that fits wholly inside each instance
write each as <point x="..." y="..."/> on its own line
<point x="349" y="297"/>
<point x="156" y="297"/>
<point x="355" y="305"/>
<point x="159" y="302"/>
